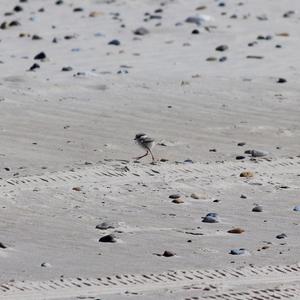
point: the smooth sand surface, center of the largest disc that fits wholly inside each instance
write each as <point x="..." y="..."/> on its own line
<point x="66" y="158"/>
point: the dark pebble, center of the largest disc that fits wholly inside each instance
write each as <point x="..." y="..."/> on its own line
<point x="78" y="9"/>
<point x="296" y="208"/>
<point x="114" y="42"/>
<point x="14" y="23"/>
<point x="257" y="208"/>
<point x="240" y="251"/>
<point x="40" y="56"/>
<point x="240" y="157"/>
<point x="34" y="66"/>
<point x="174" y="196"/>
<point x="211" y="218"/>
<point x="222" y="48"/>
<point x="241" y="144"/>
<point x="67" y="69"/>
<point x="281" y="80"/>
<point x="168" y="253"/>
<point x="141" y="31"/>
<point x="104" y="226"/>
<point x="222" y="59"/>
<point x="36" y="37"/>
<point x="281" y="236"/>
<point x="195" y="31"/>
<point x="18" y="8"/>
<point x="2" y="246"/>
<point x="110" y="238"/>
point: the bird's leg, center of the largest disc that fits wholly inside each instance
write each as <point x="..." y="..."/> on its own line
<point x="139" y="157"/>
<point x="153" y="159"/>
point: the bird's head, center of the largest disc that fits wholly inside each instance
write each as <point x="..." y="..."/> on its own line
<point x="140" y="136"/>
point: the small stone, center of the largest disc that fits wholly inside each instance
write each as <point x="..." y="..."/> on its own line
<point x="174" y="196"/>
<point x="14" y="23"/>
<point x="247" y="174"/>
<point x="211" y="218"/>
<point x="114" y="43"/>
<point x="18" y="8"/>
<point x="67" y="69"/>
<point x="195" y="196"/>
<point x="2" y="246"/>
<point x="40" y="56"/>
<point x="243" y="196"/>
<point x="288" y="14"/>
<point x="296" y="208"/>
<point x="110" y="238"/>
<point x="168" y="254"/>
<point x="141" y="31"/>
<point x="222" y="48"/>
<point x="281" y="80"/>
<point x="34" y="66"/>
<point x="257" y="208"/>
<point x="239" y="157"/>
<point x="195" y="31"/>
<point x="36" y="37"/>
<point x="236" y="230"/>
<point x="105" y="226"/>
<point x="211" y="58"/>
<point x="239" y="251"/>
<point x="222" y="59"/>
<point x="178" y="201"/>
<point x="258" y="153"/>
<point x="281" y="236"/>
<point x="76" y="188"/>
<point x="77" y="9"/>
<point x="241" y="144"/>
<point x="45" y="265"/>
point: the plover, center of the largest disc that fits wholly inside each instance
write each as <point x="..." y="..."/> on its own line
<point x="146" y="143"/>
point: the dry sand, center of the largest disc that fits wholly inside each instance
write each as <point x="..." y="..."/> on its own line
<point x="67" y="147"/>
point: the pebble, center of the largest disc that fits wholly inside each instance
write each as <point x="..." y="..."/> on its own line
<point x="258" y="153"/>
<point x="211" y="218"/>
<point x="222" y="48"/>
<point x="168" y="253"/>
<point x="105" y="226"/>
<point x="243" y="196"/>
<point x="281" y="236"/>
<point x="239" y="157"/>
<point x="211" y="58"/>
<point x="281" y="80"/>
<point x="36" y="37"/>
<point x="174" y="196"/>
<point x="195" y="196"/>
<point x="195" y="31"/>
<point x="296" y="208"/>
<point x="76" y="188"/>
<point x="40" y="56"/>
<point x="2" y="246"/>
<point x="247" y="174"/>
<point x="257" y="208"/>
<point x="110" y="238"/>
<point x="178" y="201"/>
<point x="236" y="230"/>
<point x="114" y="43"/>
<point x="241" y="144"/>
<point x="141" y="31"/>
<point x="67" y="69"/>
<point x="222" y="59"/>
<point x="195" y="20"/>
<point x="46" y="265"/>
<point x="34" y="66"/>
<point x="237" y="251"/>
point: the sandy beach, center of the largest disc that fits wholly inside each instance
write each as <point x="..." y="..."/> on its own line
<point x="215" y="84"/>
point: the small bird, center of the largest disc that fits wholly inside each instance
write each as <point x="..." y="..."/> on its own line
<point x="146" y="143"/>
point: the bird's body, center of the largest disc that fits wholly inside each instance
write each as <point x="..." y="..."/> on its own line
<point x="146" y="143"/>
